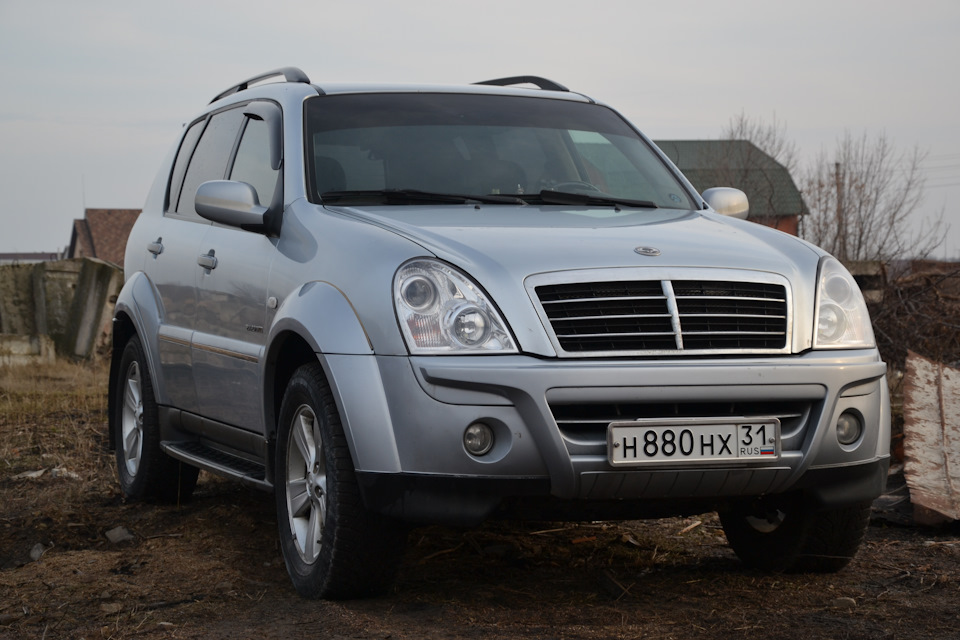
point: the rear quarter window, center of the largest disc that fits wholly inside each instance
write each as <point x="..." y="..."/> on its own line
<point x="187" y="146"/>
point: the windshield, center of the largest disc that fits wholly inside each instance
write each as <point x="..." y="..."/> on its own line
<point x="363" y="146"/>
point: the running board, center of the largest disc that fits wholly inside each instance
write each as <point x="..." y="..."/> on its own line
<point x="199" y="455"/>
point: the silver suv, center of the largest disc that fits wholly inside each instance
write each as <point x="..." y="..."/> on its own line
<point x="393" y="305"/>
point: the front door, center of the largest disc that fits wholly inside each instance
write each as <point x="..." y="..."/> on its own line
<point x="230" y="332"/>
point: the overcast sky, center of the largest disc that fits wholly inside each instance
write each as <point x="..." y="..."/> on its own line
<point x="93" y="94"/>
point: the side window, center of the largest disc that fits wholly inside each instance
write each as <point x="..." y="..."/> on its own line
<point x="180" y="165"/>
<point x="209" y="161"/>
<point x="252" y="164"/>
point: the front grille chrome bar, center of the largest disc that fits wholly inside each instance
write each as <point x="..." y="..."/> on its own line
<point x="685" y="312"/>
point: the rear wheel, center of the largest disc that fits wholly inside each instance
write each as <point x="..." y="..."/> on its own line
<point x="792" y="535"/>
<point x="333" y="547"/>
<point x="145" y="471"/>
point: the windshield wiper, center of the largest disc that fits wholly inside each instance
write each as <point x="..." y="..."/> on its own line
<point x="548" y="196"/>
<point x="413" y="196"/>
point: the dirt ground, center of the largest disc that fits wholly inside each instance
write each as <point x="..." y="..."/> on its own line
<point x="211" y="568"/>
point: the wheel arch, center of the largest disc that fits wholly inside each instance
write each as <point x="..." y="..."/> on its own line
<point x="136" y="313"/>
<point x="288" y="352"/>
<point x="123" y="330"/>
<point x="318" y="323"/>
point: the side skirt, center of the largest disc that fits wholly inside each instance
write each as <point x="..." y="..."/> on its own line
<point x="216" y="447"/>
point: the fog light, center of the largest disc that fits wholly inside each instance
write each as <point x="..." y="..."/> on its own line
<point x="478" y="439"/>
<point x="849" y="428"/>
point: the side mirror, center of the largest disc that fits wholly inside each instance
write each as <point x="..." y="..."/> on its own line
<point x="727" y="201"/>
<point x="230" y="203"/>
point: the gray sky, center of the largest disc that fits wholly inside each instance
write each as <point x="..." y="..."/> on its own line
<point x="93" y="94"/>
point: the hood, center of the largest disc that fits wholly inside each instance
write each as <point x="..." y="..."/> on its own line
<point x="501" y="245"/>
<point x="527" y="240"/>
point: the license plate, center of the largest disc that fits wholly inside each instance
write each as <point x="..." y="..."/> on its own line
<point x="687" y="441"/>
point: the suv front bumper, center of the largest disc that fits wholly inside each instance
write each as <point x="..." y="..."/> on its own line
<point x="405" y="418"/>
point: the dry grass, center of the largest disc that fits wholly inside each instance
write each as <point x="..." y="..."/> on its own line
<point x="60" y="398"/>
<point x="53" y="434"/>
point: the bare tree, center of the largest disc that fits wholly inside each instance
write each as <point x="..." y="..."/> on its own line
<point x="769" y="138"/>
<point x="753" y="160"/>
<point x="861" y="200"/>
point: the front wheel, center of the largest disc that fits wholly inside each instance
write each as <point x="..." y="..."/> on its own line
<point x="332" y="546"/>
<point x="792" y="535"/>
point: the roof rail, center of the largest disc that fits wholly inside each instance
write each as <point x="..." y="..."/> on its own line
<point x="543" y="83"/>
<point x="290" y="74"/>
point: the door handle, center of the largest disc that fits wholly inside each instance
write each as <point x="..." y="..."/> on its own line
<point x="207" y="260"/>
<point x="156" y="247"/>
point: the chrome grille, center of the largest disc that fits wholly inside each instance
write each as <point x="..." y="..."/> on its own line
<point x="666" y="316"/>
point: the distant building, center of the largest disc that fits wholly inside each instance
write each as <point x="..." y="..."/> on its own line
<point x="775" y="200"/>
<point x="102" y="233"/>
<point x="28" y="258"/>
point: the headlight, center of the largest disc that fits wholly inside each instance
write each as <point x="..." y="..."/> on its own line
<point x="842" y="320"/>
<point x="442" y="311"/>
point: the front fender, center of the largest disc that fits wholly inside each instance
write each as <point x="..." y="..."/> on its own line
<point x="320" y="315"/>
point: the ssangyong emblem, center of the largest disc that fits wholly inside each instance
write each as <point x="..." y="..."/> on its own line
<point x="647" y="251"/>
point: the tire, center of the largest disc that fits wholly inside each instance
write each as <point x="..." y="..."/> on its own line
<point x="332" y="546"/>
<point x="792" y="535"/>
<point x="145" y="471"/>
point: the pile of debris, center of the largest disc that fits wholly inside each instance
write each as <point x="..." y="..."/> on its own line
<point x="918" y="311"/>
<point x="917" y="324"/>
<point x="51" y="309"/>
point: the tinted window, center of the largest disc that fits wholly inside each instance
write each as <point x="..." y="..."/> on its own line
<point x="209" y="161"/>
<point x="481" y="145"/>
<point x="252" y="164"/>
<point x="180" y="165"/>
<point x="606" y="158"/>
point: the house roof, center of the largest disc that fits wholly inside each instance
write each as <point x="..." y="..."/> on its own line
<point x="102" y="233"/>
<point x="28" y="257"/>
<point x="742" y="165"/>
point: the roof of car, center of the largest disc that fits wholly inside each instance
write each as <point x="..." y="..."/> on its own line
<point x="515" y="85"/>
<point x="340" y="88"/>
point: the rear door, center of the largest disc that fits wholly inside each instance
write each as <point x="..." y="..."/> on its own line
<point x="171" y="253"/>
